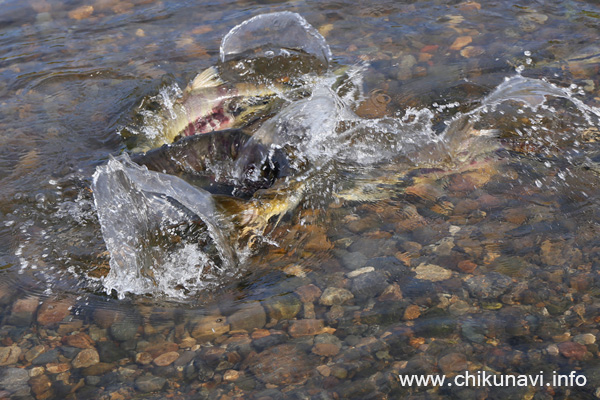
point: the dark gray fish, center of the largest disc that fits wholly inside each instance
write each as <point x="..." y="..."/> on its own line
<point x="209" y="161"/>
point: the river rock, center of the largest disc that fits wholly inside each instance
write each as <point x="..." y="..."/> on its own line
<point x="166" y="359"/>
<point x="9" y="355"/>
<point x="585" y="338"/>
<point x="333" y="295"/>
<point x="123" y="330"/>
<point x="453" y="362"/>
<point x="432" y="273"/>
<point x="281" y="365"/>
<point x="41" y="386"/>
<point x="572" y="350"/>
<point x="210" y="327"/>
<point x="79" y="340"/>
<point x="306" y="327"/>
<point x="53" y="311"/>
<point x="14" y="379"/>
<point x="49" y="356"/>
<point x="150" y="383"/>
<point x="308" y="293"/>
<point x="251" y="316"/>
<point x="86" y="358"/>
<point x="23" y="311"/>
<point x="489" y="286"/>
<point x="327" y="345"/>
<point x="283" y="307"/>
<point x="352" y="260"/>
<point x="369" y="285"/>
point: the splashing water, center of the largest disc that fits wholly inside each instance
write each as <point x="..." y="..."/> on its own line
<point x="144" y="215"/>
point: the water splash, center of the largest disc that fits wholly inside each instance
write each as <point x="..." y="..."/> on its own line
<point x="163" y="235"/>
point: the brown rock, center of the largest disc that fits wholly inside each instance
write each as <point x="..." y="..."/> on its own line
<point x="306" y="327"/>
<point x="461" y="42"/>
<point x="157" y="349"/>
<point x="572" y="350"/>
<point x="26" y="305"/>
<point x="467" y="266"/>
<point x="324" y="370"/>
<point x="86" y="358"/>
<point x="453" y="362"/>
<point x="97" y="369"/>
<point x="143" y="358"/>
<point x="34" y="352"/>
<point x="412" y="312"/>
<point x="326" y="349"/>
<point x="82" y="12"/>
<point x="391" y="293"/>
<point x="69" y="327"/>
<point x="41" y="386"/>
<point x="333" y="295"/>
<point x="57" y="368"/>
<point x="53" y="311"/>
<point x="308" y="293"/>
<point x="9" y="355"/>
<point x="251" y="316"/>
<point x="281" y="365"/>
<point x="210" y="327"/>
<point x="231" y="375"/>
<point x="79" y="340"/>
<point x="166" y="359"/>
<point x="472" y="51"/>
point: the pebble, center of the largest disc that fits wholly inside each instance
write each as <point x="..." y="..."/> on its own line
<point x="53" y="311"/>
<point x="461" y="42"/>
<point x="360" y="271"/>
<point x="79" y="340"/>
<point x="251" y="316"/>
<point x="284" y="365"/>
<point x="231" y="375"/>
<point x="14" y="379"/>
<point x="352" y="260"/>
<point x="453" y="362"/>
<point x="572" y="350"/>
<point x="432" y="273"/>
<point x="86" y="358"/>
<point x="370" y="284"/>
<point x="585" y="338"/>
<point x="123" y="330"/>
<point x="283" y="307"/>
<point x="150" y="383"/>
<point x="333" y="295"/>
<point x="209" y="328"/>
<point x="306" y="327"/>
<point x="9" y="355"/>
<point x="57" y="368"/>
<point x="143" y="358"/>
<point x="308" y="293"/>
<point x="553" y="350"/>
<point x="412" y="312"/>
<point x="391" y="293"/>
<point x="41" y="386"/>
<point x="324" y="370"/>
<point x="82" y="12"/>
<point x="166" y="359"/>
<point x="489" y="286"/>
<point x="46" y="357"/>
<point x="467" y="266"/>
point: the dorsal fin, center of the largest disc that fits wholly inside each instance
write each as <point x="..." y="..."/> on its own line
<point x="207" y="78"/>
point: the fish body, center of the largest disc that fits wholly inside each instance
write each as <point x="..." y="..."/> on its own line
<point x="208" y="104"/>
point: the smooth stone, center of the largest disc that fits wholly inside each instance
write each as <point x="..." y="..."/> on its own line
<point x="333" y="295"/>
<point x="251" y="316"/>
<point x="41" y="386"/>
<point x="9" y="355"/>
<point x="360" y="271"/>
<point x="109" y="352"/>
<point x="572" y="350"/>
<point x="150" y="383"/>
<point x="489" y="286"/>
<point x="45" y="358"/>
<point x="432" y="273"/>
<point x="453" y="362"/>
<point x="14" y="379"/>
<point x="53" y="311"/>
<point x="585" y="339"/>
<point x="124" y="330"/>
<point x="210" y="327"/>
<point x="166" y="359"/>
<point x="281" y="365"/>
<point x="283" y="307"/>
<point x="352" y="260"/>
<point x="79" y="340"/>
<point x="369" y="285"/>
<point x="86" y="358"/>
<point x="308" y="293"/>
<point x="306" y="327"/>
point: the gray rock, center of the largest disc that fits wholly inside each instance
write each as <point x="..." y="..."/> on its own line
<point x="489" y="286"/>
<point x="47" y="357"/>
<point x="328" y="338"/>
<point x="150" y="383"/>
<point x="14" y="379"/>
<point x="333" y="295"/>
<point x="124" y="330"/>
<point x="369" y="285"/>
<point x="109" y="352"/>
<point x="251" y="316"/>
<point x="352" y="260"/>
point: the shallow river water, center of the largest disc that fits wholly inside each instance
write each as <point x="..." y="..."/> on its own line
<point x="445" y="220"/>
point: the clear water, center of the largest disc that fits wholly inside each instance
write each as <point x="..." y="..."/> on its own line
<point x="450" y="187"/>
